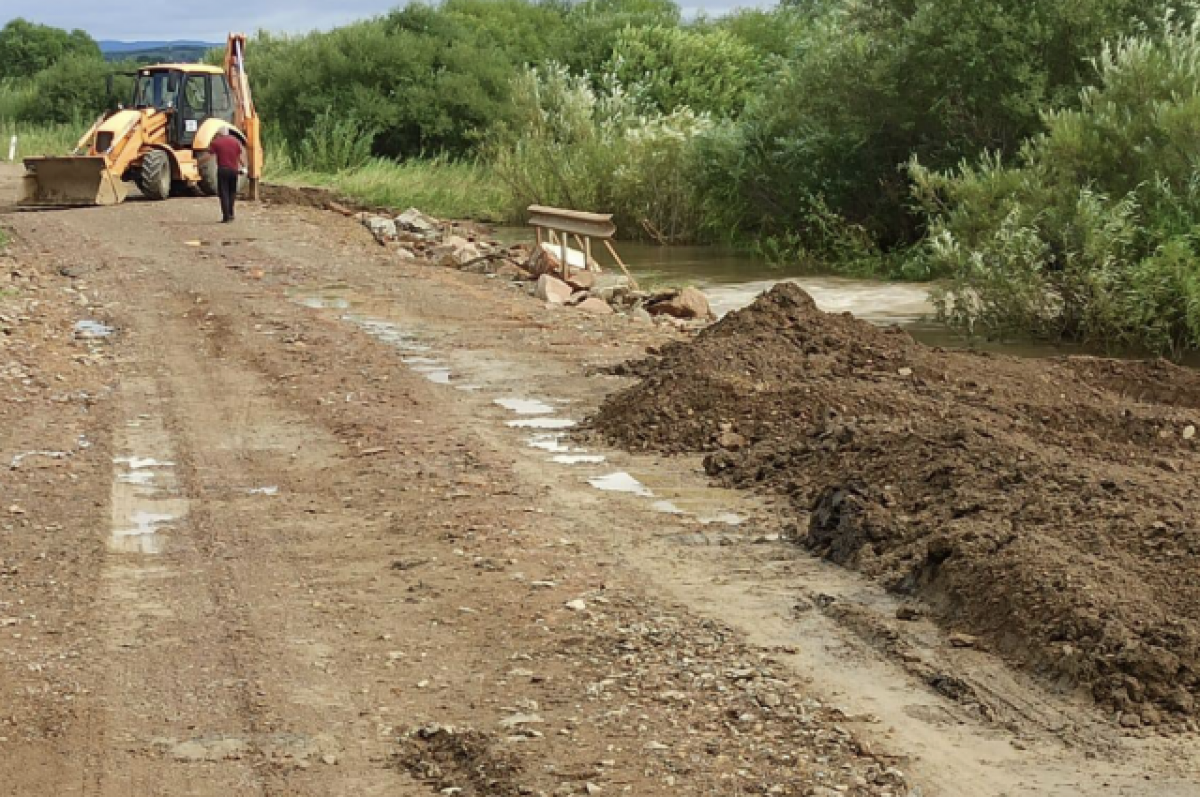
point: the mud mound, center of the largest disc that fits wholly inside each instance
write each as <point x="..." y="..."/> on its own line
<point x="1048" y="506"/>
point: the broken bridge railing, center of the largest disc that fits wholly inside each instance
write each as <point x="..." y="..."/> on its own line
<point x="556" y="226"/>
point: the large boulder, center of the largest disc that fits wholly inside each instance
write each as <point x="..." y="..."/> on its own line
<point x="552" y="290"/>
<point x="595" y="306"/>
<point x="687" y="303"/>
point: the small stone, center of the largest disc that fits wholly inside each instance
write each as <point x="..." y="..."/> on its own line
<point x="329" y="759"/>
<point x="908" y="614"/>
<point x="905" y="372"/>
<point x="576" y="605"/>
<point x="1189" y="432"/>
<point x="963" y="641"/>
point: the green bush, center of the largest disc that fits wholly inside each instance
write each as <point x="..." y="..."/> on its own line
<point x="1094" y="235"/>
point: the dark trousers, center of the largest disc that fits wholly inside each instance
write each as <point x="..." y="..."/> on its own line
<point x="227" y="181"/>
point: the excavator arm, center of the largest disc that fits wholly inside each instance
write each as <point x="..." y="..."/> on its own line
<point x="245" y="115"/>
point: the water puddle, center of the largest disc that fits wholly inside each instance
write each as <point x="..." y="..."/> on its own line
<point x="141" y="463"/>
<point x="724" y="518"/>
<point x="523" y="406"/>
<point x="88" y="329"/>
<point x="621" y="482"/>
<point x="543" y="423"/>
<point x="548" y="442"/>
<point x="142" y="535"/>
<point x="439" y="376"/>
<point x="578" y="459"/>
<point x="146" y="501"/>
<point x="19" y="458"/>
<point x="323" y="303"/>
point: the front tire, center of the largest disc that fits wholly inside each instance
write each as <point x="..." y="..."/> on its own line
<point x="155" y="180"/>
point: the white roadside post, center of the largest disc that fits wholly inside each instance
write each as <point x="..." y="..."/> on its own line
<point x="12" y="149"/>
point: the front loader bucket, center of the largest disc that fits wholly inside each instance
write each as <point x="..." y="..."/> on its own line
<point x="72" y="181"/>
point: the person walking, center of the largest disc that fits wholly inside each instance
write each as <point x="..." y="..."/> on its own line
<point x="229" y="154"/>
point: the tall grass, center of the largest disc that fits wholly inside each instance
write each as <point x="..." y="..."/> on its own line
<point x="335" y="153"/>
<point x="437" y="186"/>
<point x="32" y="139"/>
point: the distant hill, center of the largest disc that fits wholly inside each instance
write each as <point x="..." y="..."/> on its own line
<point x="150" y="52"/>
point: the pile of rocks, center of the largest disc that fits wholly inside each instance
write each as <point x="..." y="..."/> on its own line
<point x="414" y="235"/>
<point x="605" y="294"/>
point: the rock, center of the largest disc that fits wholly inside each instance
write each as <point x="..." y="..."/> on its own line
<point x="511" y="271"/>
<point x="383" y="229"/>
<point x="1130" y="720"/>
<point x="576" y="605"/>
<point x="688" y="303"/>
<point x="1189" y="432"/>
<point x="582" y="280"/>
<point x="641" y="314"/>
<point x="577" y="297"/>
<point x="963" y="641"/>
<point x="905" y="372"/>
<point x="414" y="220"/>
<point x="595" y="306"/>
<point x="908" y="614"/>
<point x="731" y="441"/>
<point x="329" y="759"/>
<point x="552" y="289"/>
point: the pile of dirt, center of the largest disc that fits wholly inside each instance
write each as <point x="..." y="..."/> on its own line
<point x="1048" y="506"/>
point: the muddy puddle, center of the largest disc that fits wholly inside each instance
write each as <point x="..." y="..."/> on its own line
<point x="146" y="498"/>
<point x="540" y="418"/>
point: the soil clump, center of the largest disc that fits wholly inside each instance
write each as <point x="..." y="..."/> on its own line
<point x="1046" y="506"/>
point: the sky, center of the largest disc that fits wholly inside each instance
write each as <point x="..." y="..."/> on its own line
<point x="211" y="21"/>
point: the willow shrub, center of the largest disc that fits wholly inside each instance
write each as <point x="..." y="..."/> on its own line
<point x="1094" y="235"/>
<point x="604" y="149"/>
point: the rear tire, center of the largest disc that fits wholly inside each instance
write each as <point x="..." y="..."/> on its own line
<point x="155" y="181"/>
<point x="208" y="177"/>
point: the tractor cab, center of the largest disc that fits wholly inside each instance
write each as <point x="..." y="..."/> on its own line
<point x="191" y="93"/>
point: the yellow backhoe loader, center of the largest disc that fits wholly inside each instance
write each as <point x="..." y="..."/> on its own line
<point x="158" y="140"/>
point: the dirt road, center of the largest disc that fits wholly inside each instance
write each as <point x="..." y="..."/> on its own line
<point x="309" y="522"/>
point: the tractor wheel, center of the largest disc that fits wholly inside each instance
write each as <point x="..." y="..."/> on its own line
<point x="155" y="182"/>
<point x="208" y="177"/>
